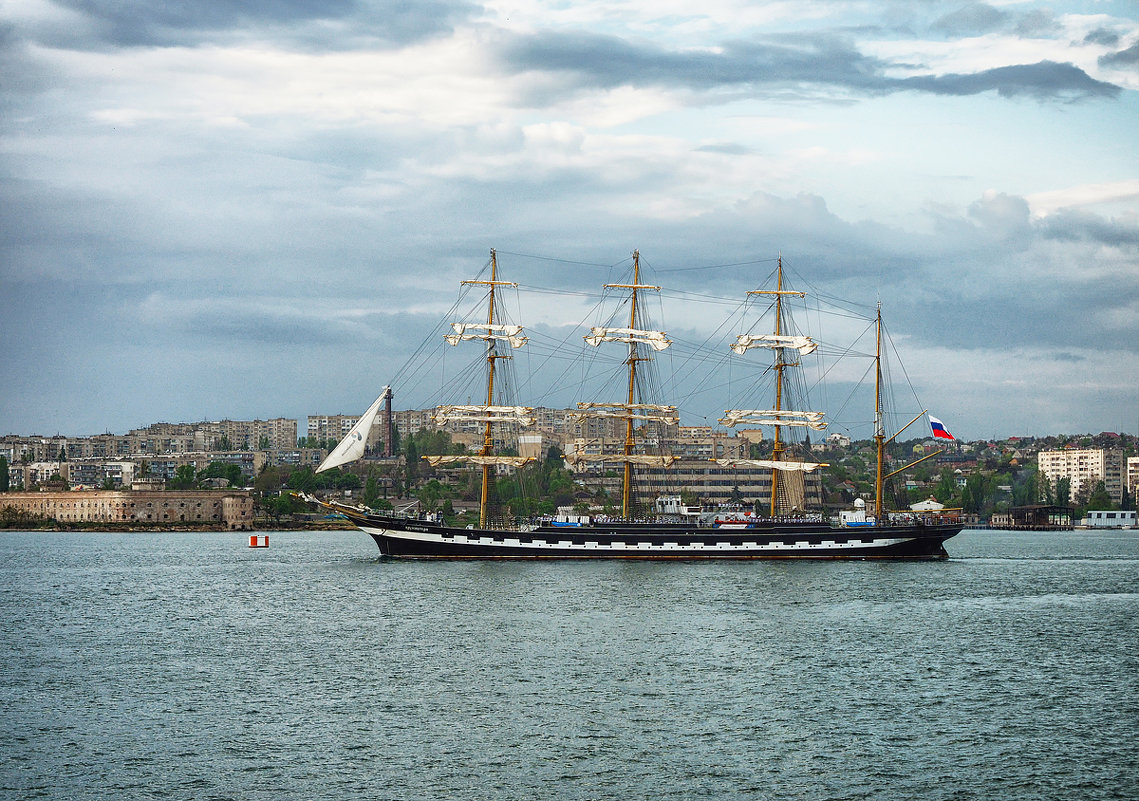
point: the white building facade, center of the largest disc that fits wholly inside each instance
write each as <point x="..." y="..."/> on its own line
<point x="1084" y="468"/>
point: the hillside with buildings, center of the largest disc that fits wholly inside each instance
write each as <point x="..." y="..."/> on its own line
<point x="238" y="472"/>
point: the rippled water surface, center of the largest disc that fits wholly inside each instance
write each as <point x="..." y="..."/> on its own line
<point x="190" y="666"/>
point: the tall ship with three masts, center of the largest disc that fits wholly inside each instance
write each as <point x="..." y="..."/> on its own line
<point x="786" y="530"/>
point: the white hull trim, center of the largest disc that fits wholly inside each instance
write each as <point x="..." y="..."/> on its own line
<point x="538" y="545"/>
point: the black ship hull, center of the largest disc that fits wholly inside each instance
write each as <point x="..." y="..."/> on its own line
<point x="399" y="537"/>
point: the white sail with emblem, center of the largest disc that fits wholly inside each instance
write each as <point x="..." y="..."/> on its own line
<point x="352" y="446"/>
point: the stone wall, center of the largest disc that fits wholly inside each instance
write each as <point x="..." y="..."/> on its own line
<point x="232" y="510"/>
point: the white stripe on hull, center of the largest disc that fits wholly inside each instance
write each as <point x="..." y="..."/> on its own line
<point x="635" y="548"/>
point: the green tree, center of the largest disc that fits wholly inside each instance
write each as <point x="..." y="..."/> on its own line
<point x="430" y="494"/>
<point x="554" y="459"/>
<point x="1063" y="491"/>
<point x="226" y="470"/>
<point x="184" y="478"/>
<point x="372" y="493"/>
<point x="977" y="495"/>
<point x="302" y="480"/>
<point x="284" y="504"/>
<point x="1100" y="499"/>
<point x="269" y="480"/>
<point x="3" y="473"/>
<point x="347" y="481"/>
<point x="1026" y="488"/>
<point x="411" y="454"/>
<point x="946" y="489"/>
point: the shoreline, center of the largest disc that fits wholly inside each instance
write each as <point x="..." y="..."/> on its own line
<point x="113" y="528"/>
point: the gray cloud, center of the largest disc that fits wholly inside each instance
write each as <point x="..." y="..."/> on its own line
<point x="1124" y="58"/>
<point x="1076" y="225"/>
<point x="114" y="352"/>
<point x="971" y="20"/>
<point x="816" y="62"/>
<point x="333" y="24"/>
<point x="166" y="269"/>
<point x="1102" y="36"/>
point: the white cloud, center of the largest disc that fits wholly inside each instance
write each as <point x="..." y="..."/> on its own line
<point x="1044" y="203"/>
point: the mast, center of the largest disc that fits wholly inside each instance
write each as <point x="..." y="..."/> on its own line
<point x="879" y="432"/>
<point x="777" y="442"/>
<point x="777" y="417"/>
<point x="777" y="446"/>
<point x="491" y="333"/>
<point x="491" y="358"/>
<point x="630" y="410"/>
<point x="627" y="484"/>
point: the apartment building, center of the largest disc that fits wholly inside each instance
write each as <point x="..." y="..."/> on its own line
<point x="1084" y="468"/>
<point x="159" y="438"/>
<point x="716" y="484"/>
<point x="321" y="427"/>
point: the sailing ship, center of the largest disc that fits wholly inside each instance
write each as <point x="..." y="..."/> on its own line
<point x="784" y="532"/>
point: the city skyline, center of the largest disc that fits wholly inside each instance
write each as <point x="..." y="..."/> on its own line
<point x="250" y="212"/>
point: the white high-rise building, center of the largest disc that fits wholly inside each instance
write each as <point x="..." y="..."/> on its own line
<point x="1084" y="468"/>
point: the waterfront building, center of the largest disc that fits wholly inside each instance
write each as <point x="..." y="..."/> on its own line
<point x="1037" y="517"/>
<point x="1133" y="476"/>
<point x="232" y="510"/>
<point x="1084" y="468"/>
<point x="1109" y="519"/>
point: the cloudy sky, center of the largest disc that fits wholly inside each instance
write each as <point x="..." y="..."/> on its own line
<point x="257" y="209"/>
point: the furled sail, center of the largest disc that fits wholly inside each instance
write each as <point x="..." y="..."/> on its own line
<point x="352" y="446"/>
<point x="485" y="331"/>
<point x="773" y="417"/>
<point x="522" y="415"/>
<point x="631" y="411"/>
<point x="745" y="342"/>
<point x="514" y="461"/>
<point x="787" y="467"/>
<point x="648" y="460"/>
<point x="657" y="340"/>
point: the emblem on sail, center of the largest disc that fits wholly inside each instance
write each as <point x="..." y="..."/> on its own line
<point x="352" y="446"/>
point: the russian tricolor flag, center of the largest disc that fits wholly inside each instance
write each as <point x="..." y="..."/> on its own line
<point x="938" y="427"/>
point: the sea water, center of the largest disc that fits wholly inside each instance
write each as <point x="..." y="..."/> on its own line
<point x="189" y="666"/>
